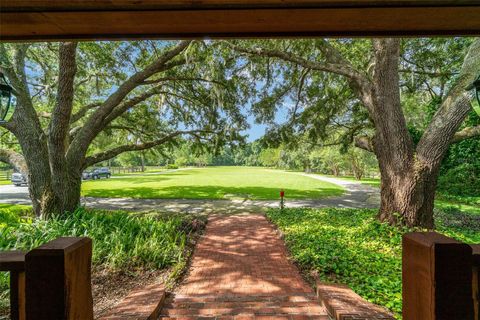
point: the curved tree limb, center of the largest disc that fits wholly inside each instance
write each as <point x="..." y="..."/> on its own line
<point x="364" y="142"/>
<point x="165" y="79"/>
<point x="453" y="110"/>
<point x="335" y="63"/>
<point x="96" y="122"/>
<point x="109" y="154"/>
<point x="467" y="133"/>
<point x="15" y="159"/>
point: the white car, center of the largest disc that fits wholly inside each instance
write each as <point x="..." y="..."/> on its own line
<point x="19" y="179"/>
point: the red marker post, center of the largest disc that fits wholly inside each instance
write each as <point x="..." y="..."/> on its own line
<point x="282" y="200"/>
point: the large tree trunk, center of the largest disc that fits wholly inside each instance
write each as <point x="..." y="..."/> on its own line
<point x="49" y="197"/>
<point x="407" y="198"/>
<point x="404" y="179"/>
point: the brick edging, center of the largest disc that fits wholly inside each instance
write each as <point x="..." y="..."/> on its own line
<point x="343" y="303"/>
<point x="141" y="304"/>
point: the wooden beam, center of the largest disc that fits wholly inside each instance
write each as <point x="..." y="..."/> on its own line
<point x="84" y="5"/>
<point x="129" y="19"/>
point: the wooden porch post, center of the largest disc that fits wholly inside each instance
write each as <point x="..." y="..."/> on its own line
<point x="437" y="278"/>
<point x="14" y="262"/>
<point x="58" y="280"/>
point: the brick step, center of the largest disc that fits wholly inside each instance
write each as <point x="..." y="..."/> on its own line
<point x="253" y="298"/>
<point x="242" y="307"/>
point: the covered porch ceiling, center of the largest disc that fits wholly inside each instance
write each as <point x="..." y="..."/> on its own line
<point x="137" y="19"/>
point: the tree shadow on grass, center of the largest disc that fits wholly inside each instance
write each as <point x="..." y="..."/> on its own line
<point x="211" y="192"/>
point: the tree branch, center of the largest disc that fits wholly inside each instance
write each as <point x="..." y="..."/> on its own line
<point x="109" y="154"/>
<point x="338" y="68"/>
<point x="467" y="133"/>
<point x="83" y="111"/>
<point x="165" y="79"/>
<point x="364" y="143"/>
<point x="452" y="112"/>
<point x="14" y="159"/>
<point x="96" y="122"/>
<point x="432" y="74"/>
<point x="17" y="76"/>
<point x="335" y="63"/>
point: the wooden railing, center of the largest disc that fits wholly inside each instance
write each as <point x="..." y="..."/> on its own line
<point x="440" y="278"/>
<point x="53" y="281"/>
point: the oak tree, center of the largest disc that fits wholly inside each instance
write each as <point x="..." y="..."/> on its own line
<point x="79" y="104"/>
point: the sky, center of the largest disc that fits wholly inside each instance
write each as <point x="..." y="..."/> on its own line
<point x="256" y="131"/>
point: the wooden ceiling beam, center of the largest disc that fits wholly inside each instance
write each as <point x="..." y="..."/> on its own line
<point x="27" y="20"/>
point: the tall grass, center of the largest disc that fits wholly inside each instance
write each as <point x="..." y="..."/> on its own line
<point x="121" y="241"/>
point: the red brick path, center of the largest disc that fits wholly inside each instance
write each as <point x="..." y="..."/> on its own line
<point x="240" y="271"/>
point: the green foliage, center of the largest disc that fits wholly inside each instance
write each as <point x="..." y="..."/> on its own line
<point x="121" y="241"/>
<point x="462" y="181"/>
<point x="171" y="166"/>
<point x="269" y="157"/>
<point x="350" y="246"/>
<point x="460" y="171"/>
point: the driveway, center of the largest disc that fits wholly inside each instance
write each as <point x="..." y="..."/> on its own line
<point x="356" y="195"/>
<point x="14" y="195"/>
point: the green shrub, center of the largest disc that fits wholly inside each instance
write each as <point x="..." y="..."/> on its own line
<point x="121" y="241"/>
<point x="172" y="166"/>
<point x="463" y="181"/>
<point x="350" y="246"/>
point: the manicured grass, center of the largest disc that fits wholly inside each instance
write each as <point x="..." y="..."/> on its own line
<point x="122" y="241"/>
<point x="350" y="246"/>
<point x="213" y="183"/>
<point x="459" y="206"/>
<point x="3" y="177"/>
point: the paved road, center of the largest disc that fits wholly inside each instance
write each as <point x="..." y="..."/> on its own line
<point x="357" y="195"/>
<point x="14" y="195"/>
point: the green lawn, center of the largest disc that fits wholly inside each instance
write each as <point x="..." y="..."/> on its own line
<point x="213" y="183"/>
<point x="3" y="177"/>
<point x="350" y="246"/>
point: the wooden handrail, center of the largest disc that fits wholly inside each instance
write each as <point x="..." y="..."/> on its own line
<point x="14" y="262"/>
<point x="52" y="281"/>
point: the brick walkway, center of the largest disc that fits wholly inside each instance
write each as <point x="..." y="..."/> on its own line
<point x="240" y="271"/>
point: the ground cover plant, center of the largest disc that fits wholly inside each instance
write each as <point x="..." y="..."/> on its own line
<point x="350" y="246"/>
<point x="214" y="183"/>
<point x="121" y="241"/>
